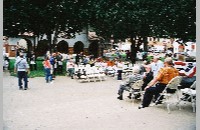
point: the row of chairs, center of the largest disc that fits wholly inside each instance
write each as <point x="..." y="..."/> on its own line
<point x="89" y="74"/>
<point x="188" y="94"/>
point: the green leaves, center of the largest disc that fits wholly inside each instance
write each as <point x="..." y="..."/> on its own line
<point x="161" y="18"/>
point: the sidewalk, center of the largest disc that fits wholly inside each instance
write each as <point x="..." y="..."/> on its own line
<point x="69" y="105"/>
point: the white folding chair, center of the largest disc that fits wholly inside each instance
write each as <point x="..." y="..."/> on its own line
<point x="172" y="85"/>
<point x="90" y="74"/>
<point x="136" y="88"/>
<point x="189" y="95"/>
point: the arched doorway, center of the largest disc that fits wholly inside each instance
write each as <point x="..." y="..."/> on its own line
<point x="63" y="47"/>
<point x="94" y="49"/>
<point x="78" y="47"/>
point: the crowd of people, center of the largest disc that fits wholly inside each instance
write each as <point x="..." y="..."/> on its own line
<point x="155" y="74"/>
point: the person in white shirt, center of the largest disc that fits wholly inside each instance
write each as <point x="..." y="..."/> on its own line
<point x="71" y="67"/>
<point x="22" y="68"/>
<point x="156" y="65"/>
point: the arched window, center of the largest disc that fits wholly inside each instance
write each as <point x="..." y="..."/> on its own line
<point x="94" y="49"/>
<point x="62" y="47"/>
<point x="78" y="47"/>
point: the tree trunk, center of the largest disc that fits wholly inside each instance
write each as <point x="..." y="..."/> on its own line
<point x="145" y="44"/>
<point x="133" y="50"/>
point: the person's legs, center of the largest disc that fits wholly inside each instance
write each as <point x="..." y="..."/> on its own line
<point x="46" y="75"/>
<point x="152" y="91"/>
<point x="25" y="80"/>
<point x="72" y="73"/>
<point x="148" y="96"/>
<point x="121" y="91"/>
<point x="119" y="75"/>
<point x="19" y="74"/>
<point x="159" y="89"/>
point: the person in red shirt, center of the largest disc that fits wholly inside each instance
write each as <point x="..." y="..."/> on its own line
<point x="47" y="68"/>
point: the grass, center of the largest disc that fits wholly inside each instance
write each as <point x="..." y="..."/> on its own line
<point x="35" y="73"/>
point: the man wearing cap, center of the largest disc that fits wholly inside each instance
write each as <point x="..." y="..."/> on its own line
<point x="21" y="66"/>
<point x="159" y="82"/>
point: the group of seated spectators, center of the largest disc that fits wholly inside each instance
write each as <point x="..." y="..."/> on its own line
<point x="156" y="75"/>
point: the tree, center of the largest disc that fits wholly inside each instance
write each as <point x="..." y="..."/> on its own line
<point x="138" y="19"/>
<point x="134" y="19"/>
<point x="46" y="16"/>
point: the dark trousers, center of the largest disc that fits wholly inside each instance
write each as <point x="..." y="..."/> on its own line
<point x="122" y="88"/>
<point x="119" y="76"/>
<point x="22" y="75"/>
<point x="152" y="91"/>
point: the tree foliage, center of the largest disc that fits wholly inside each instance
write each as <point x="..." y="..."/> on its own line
<point x="120" y="18"/>
<point x="116" y="19"/>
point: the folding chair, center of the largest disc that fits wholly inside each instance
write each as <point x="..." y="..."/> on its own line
<point x="172" y="85"/>
<point x="136" y="88"/>
<point x="90" y="74"/>
<point x="189" y="95"/>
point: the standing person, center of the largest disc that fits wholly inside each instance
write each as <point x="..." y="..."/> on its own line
<point x="21" y="66"/>
<point x="47" y="68"/>
<point x="163" y="77"/>
<point x="59" y="58"/>
<point x="6" y="62"/>
<point x="67" y="60"/>
<point x="71" y="67"/>
<point x="53" y="64"/>
<point x="119" y="70"/>
<point x="33" y="61"/>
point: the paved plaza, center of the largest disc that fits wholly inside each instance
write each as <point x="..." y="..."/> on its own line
<point x="69" y="105"/>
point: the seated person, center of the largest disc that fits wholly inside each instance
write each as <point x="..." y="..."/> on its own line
<point x="158" y="84"/>
<point x="131" y="79"/>
<point x="147" y="77"/>
<point x="188" y="76"/>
